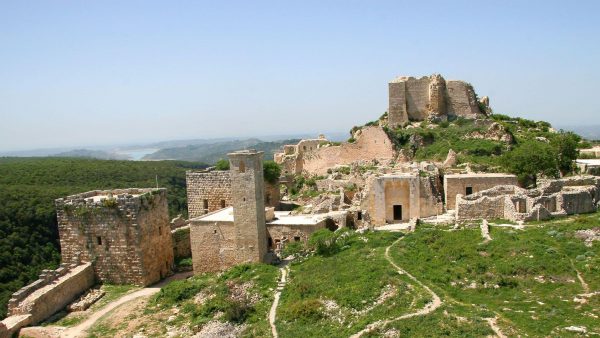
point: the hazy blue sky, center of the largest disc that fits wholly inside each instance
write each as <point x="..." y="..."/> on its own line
<point x="85" y="73"/>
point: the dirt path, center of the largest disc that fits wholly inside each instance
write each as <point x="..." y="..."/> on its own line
<point x="429" y="307"/>
<point x="280" y="285"/>
<point x="80" y="329"/>
<point x="494" y="325"/>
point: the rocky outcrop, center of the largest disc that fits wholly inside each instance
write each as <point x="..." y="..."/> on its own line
<point x="495" y="132"/>
<point x="450" y="159"/>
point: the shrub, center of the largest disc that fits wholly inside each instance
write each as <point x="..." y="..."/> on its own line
<point x="304" y="310"/>
<point x="236" y="311"/>
<point x="178" y="291"/>
<point x="293" y="248"/>
<point x="271" y="171"/>
<point x="222" y="164"/>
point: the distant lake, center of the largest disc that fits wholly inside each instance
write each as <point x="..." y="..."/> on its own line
<point x="137" y="154"/>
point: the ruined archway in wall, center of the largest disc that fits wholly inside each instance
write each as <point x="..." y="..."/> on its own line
<point x="330" y="224"/>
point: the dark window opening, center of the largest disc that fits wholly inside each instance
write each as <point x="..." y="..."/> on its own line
<point x="99" y="240"/>
<point x="270" y="242"/>
<point x="359" y="215"/>
<point x="214" y="231"/>
<point x="330" y="224"/>
<point x="222" y="204"/>
<point x="297" y="238"/>
<point x="205" y="202"/>
<point x="397" y="212"/>
<point x="159" y="230"/>
<point x="469" y="191"/>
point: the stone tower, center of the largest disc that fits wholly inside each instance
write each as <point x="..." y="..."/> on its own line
<point x="247" y="196"/>
<point x="125" y="233"/>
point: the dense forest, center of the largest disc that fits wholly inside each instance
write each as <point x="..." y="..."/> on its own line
<point x="28" y="188"/>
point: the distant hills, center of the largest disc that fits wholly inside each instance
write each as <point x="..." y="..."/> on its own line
<point x="212" y="152"/>
<point x="589" y="132"/>
<point x="87" y="153"/>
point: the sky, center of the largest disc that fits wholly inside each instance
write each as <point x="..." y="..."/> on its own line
<point x="75" y="73"/>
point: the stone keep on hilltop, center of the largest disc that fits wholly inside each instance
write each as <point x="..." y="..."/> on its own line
<point x="432" y="98"/>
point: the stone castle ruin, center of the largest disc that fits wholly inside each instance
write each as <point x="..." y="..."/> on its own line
<point x="432" y="98"/>
<point x="125" y="237"/>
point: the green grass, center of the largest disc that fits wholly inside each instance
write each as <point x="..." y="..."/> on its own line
<point x="505" y="272"/>
<point x="353" y="278"/>
<point x="262" y="279"/>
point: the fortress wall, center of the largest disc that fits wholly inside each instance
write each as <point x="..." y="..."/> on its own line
<point x="371" y="144"/>
<point x="461" y="99"/>
<point x="155" y="240"/>
<point x="417" y="98"/>
<point x="212" y="186"/>
<point x="397" y="114"/>
<point x="54" y="296"/>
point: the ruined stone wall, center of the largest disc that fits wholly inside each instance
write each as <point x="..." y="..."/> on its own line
<point x="182" y="247"/>
<point x="461" y="100"/>
<point x="57" y="290"/>
<point x="457" y="184"/>
<point x="417" y="98"/>
<point x="126" y="236"/>
<point x="207" y="191"/>
<point x="282" y="234"/>
<point x="430" y="197"/>
<point x="412" y="99"/>
<point x="213" y="246"/>
<point x="372" y="143"/>
<point x="484" y="208"/>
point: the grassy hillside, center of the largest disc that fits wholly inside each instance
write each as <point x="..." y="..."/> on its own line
<point x="212" y="152"/>
<point x="28" y="188"/>
<point x="526" y="281"/>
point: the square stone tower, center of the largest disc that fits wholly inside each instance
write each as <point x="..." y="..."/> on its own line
<point x="247" y="196"/>
<point x="125" y="234"/>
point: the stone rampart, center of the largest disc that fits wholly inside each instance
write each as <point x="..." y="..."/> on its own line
<point x="52" y="292"/>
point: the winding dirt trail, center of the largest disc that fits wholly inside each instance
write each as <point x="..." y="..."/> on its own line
<point x="280" y="285"/>
<point x="80" y="329"/>
<point x="429" y="307"/>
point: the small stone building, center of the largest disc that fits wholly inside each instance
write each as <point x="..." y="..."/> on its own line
<point x="395" y="198"/>
<point x="222" y="239"/>
<point x="588" y="166"/>
<point x="467" y="184"/>
<point x="125" y="234"/>
<point x="210" y="190"/>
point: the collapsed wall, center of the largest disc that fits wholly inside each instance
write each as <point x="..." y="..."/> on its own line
<point x="552" y="198"/>
<point x="54" y="290"/>
<point x="371" y="144"/>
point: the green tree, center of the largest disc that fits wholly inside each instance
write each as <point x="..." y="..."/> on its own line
<point x="566" y="144"/>
<point x="222" y="164"/>
<point x="271" y="171"/>
<point x="531" y="159"/>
